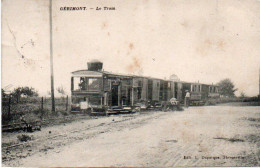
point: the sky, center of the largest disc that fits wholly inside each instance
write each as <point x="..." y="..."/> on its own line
<point x="198" y="40"/>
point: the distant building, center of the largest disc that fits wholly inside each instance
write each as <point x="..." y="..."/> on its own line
<point x="174" y="77"/>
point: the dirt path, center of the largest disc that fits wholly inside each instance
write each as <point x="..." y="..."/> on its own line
<point x="198" y="136"/>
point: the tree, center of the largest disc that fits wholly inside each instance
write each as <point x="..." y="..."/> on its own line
<point x="3" y="93"/>
<point x="242" y="95"/>
<point x="61" y="90"/>
<point x="27" y="91"/>
<point x="226" y="88"/>
<point x="49" y="93"/>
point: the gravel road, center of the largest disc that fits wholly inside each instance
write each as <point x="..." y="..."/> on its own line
<point x="197" y="136"/>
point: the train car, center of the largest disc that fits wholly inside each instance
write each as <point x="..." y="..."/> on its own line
<point x="96" y="91"/>
<point x="199" y="93"/>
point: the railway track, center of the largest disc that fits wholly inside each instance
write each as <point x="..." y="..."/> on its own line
<point x="126" y="118"/>
<point x="20" y="125"/>
<point x="55" y="142"/>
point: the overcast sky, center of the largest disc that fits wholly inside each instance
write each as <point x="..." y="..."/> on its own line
<point x="203" y="41"/>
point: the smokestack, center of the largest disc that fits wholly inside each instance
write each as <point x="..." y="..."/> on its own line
<point x="95" y="65"/>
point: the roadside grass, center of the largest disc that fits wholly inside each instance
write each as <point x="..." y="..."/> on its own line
<point x="234" y="101"/>
<point x="34" y="109"/>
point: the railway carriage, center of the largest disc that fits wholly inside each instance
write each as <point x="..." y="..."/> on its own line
<point x="199" y="92"/>
<point x="96" y="91"/>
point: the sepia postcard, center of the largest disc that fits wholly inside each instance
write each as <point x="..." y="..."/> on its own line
<point x="133" y="83"/>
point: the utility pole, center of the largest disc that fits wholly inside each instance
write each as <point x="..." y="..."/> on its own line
<point x="259" y="85"/>
<point x="51" y="60"/>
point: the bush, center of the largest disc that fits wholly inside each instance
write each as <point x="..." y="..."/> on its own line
<point x="222" y="100"/>
<point x="250" y="99"/>
<point x="211" y="102"/>
<point x="30" y="108"/>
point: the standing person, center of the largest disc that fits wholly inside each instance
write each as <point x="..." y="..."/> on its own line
<point x="187" y="98"/>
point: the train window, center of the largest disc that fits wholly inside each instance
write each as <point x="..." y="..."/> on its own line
<point x="139" y="83"/>
<point x="107" y="84"/>
<point x="93" y="83"/>
<point x="76" y="84"/>
<point x="83" y="83"/>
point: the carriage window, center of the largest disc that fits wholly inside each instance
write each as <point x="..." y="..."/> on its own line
<point x="86" y="84"/>
<point x="76" y="84"/>
<point x="93" y="84"/>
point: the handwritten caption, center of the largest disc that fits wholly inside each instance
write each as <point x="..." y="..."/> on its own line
<point x="84" y="8"/>
<point x="214" y="157"/>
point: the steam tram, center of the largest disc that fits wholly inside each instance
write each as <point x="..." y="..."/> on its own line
<point x="97" y="91"/>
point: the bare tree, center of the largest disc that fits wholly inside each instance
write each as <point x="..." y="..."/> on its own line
<point x="48" y="93"/>
<point x="61" y="90"/>
<point x="242" y="95"/>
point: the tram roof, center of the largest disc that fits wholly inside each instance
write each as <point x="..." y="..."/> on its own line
<point x="197" y="83"/>
<point x="86" y="72"/>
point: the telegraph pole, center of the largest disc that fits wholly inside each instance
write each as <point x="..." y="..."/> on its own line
<point x="259" y="86"/>
<point x="51" y="60"/>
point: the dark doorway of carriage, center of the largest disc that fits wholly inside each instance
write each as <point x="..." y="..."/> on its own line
<point x="176" y="90"/>
<point x="185" y="87"/>
<point x="150" y="90"/>
<point x="114" y="95"/>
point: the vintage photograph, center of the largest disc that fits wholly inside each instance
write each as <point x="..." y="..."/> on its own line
<point x="133" y="83"/>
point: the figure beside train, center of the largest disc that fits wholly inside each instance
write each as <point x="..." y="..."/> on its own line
<point x="96" y="91"/>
